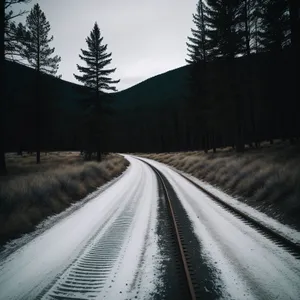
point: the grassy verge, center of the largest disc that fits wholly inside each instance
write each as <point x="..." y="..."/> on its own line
<point x="33" y="192"/>
<point x="267" y="178"/>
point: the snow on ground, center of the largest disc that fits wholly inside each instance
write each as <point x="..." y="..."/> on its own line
<point x="248" y="265"/>
<point x="15" y="244"/>
<point x="33" y="267"/>
<point x="271" y="223"/>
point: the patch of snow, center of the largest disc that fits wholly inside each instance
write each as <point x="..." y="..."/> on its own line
<point x="271" y="223"/>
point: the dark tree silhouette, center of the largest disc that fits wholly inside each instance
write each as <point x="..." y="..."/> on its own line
<point x="198" y="54"/>
<point x="12" y="32"/>
<point x="96" y="77"/>
<point x="36" y="46"/>
<point x="276" y="25"/>
<point x="225" y="38"/>
<point x="7" y="16"/>
<point x="38" y="54"/>
<point x="15" y="38"/>
<point x="294" y="10"/>
<point x="256" y="15"/>
<point x="197" y="45"/>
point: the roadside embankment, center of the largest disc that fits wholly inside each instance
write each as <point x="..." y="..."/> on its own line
<point x="31" y="192"/>
<point x="267" y="178"/>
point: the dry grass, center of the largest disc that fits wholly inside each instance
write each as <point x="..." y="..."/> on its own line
<point x="32" y="192"/>
<point x="267" y="178"/>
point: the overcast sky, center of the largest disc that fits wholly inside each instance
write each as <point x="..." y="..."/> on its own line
<point x="146" y="37"/>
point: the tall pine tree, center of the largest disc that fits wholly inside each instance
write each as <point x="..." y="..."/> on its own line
<point x="37" y="50"/>
<point x="7" y="16"/>
<point x="198" y="55"/>
<point x="39" y="55"/>
<point x="12" y="32"/>
<point x="276" y="25"/>
<point x="225" y="37"/>
<point x="96" y="77"/>
<point x="197" y="45"/>
<point x="256" y="25"/>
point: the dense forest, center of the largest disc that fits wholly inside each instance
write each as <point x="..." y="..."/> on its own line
<point x="240" y="87"/>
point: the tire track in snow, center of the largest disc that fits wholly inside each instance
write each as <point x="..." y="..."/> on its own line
<point x="88" y="275"/>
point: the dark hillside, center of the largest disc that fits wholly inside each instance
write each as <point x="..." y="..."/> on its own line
<point x="253" y="98"/>
<point x="62" y="104"/>
<point x="156" y="91"/>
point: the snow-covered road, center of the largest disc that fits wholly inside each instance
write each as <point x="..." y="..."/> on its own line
<point x="104" y="249"/>
<point x="109" y="249"/>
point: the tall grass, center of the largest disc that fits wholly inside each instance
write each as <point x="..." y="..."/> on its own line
<point x="267" y="178"/>
<point x="26" y="198"/>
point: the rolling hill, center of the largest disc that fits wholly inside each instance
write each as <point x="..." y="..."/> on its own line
<point x="62" y="103"/>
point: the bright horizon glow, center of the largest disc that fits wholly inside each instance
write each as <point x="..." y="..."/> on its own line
<point x="146" y="38"/>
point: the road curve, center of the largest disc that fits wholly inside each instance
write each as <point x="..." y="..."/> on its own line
<point x="104" y="249"/>
<point x="113" y="247"/>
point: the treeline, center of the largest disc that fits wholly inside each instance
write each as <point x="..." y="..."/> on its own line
<point x="29" y="44"/>
<point x="244" y="57"/>
<point x="243" y="60"/>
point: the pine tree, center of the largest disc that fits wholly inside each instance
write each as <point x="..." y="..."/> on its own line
<point x="225" y="38"/>
<point x="15" y="37"/>
<point x="276" y="26"/>
<point x="37" y="50"/>
<point x="245" y="14"/>
<point x="256" y="26"/>
<point x="12" y="32"/>
<point x="96" y="77"/>
<point x="7" y="16"/>
<point x="197" y="45"/>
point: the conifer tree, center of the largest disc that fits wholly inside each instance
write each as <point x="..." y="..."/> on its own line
<point x="12" y="32"/>
<point x="37" y="50"/>
<point x="95" y="76"/>
<point x="198" y="55"/>
<point x="7" y="16"/>
<point x="39" y="55"/>
<point x="197" y="45"/>
<point x="256" y="25"/>
<point x="276" y="25"/>
<point x="225" y="38"/>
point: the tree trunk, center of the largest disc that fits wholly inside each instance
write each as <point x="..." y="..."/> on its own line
<point x="205" y="142"/>
<point x="88" y="155"/>
<point x="99" y="156"/>
<point x="38" y="119"/>
<point x="37" y="101"/>
<point x="240" y="145"/>
<point x="3" y="170"/>
<point x="213" y="140"/>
